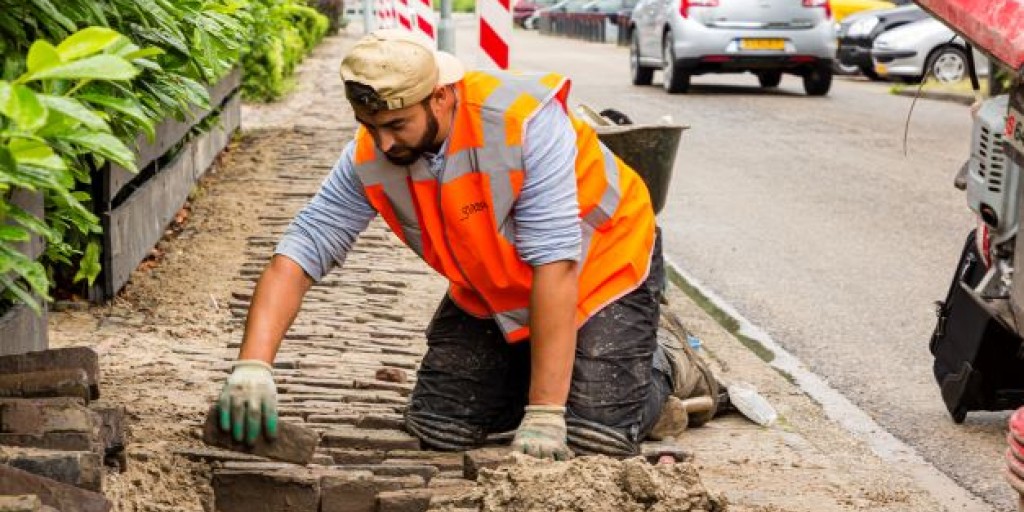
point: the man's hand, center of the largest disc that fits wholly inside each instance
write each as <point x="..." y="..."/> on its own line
<point x="542" y="433"/>
<point x="248" y="401"/>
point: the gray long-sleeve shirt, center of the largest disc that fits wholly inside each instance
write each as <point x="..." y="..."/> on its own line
<point x="547" y="223"/>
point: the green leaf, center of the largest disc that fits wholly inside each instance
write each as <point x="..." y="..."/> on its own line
<point x="85" y="42"/>
<point x="53" y="12"/>
<point x="24" y="108"/>
<point x="7" y="162"/>
<point x="75" y="110"/>
<point x="89" y="267"/>
<point x="20" y="293"/>
<point x="127" y="107"/>
<point x="5" y="96"/>
<point x="150" y="51"/>
<point x="104" y="144"/>
<point x="35" y="153"/>
<point x="13" y="234"/>
<point x="42" y="55"/>
<point x="97" y="67"/>
<point x="32" y="223"/>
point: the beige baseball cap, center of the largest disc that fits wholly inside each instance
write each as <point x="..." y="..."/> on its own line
<point x="400" y="67"/>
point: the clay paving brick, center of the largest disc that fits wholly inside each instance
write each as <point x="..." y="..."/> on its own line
<point x="354" y="456"/>
<point x="356" y="438"/>
<point x="294" y="443"/>
<point x="72" y="382"/>
<point x="63" y="497"/>
<point x="112" y="428"/>
<point x="356" y="491"/>
<point x="80" y="469"/>
<point x="41" y="415"/>
<point x="481" y="458"/>
<point x="29" y="503"/>
<point x="409" y="500"/>
<point x="290" y="489"/>
<point x="381" y="421"/>
<point x="83" y="358"/>
<point x="424" y="471"/>
<point x="443" y="461"/>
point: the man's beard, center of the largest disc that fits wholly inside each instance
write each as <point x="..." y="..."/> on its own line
<point x="404" y="155"/>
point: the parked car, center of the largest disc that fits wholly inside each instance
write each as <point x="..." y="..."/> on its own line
<point x="857" y="33"/>
<point x="844" y="8"/>
<point x="684" y="38"/>
<point x="525" y="8"/>
<point x="562" y="6"/>
<point x="926" y="47"/>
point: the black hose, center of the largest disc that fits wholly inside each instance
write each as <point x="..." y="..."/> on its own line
<point x="972" y="70"/>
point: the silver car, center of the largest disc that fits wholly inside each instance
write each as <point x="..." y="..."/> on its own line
<point x="925" y="47"/>
<point x="765" y="37"/>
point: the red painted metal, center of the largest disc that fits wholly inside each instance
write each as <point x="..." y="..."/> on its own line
<point x="994" y="26"/>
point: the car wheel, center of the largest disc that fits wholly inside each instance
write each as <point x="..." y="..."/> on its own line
<point x="843" y="69"/>
<point x="769" y="79"/>
<point x="642" y="75"/>
<point x="869" y="72"/>
<point x="948" y="65"/>
<point x="676" y="80"/>
<point x="818" y="80"/>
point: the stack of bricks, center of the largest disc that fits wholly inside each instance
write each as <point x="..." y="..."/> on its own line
<point x="55" y="437"/>
<point x="345" y="370"/>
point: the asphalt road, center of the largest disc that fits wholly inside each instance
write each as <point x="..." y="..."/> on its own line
<point x="806" y="215"/>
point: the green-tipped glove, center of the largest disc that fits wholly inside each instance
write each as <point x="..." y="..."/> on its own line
<point x="542" y="433"/>
<point x="248" y="401"/>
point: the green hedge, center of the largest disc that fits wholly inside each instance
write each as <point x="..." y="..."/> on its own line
<point x="80" y="79"/>
<point x="464" y="6"/>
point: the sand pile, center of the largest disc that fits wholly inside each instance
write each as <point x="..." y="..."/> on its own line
<point x="595" y="484"/>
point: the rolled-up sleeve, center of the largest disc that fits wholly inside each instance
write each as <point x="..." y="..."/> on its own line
<point x="547" y="212"/>
<point x="323" y="232"/>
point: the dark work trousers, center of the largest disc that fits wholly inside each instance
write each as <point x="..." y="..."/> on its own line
<point x="472" y="385"/>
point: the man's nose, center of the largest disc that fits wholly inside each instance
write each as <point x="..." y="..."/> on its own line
<point x="385" y="140"/>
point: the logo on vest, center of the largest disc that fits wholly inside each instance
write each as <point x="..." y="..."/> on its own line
<point x="471" y="208"/>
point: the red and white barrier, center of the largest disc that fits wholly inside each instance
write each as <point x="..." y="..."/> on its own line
<point x="406" y="16"/>
<point x="426" y="19"/>
<point x="385" y="13"/>
<point x="495" y="18"/>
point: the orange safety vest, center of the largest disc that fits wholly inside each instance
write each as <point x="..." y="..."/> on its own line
<point x="461" y="222"/>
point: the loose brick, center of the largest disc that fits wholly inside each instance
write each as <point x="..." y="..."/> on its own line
<point x="48" y="383"/>
<point x="410" y="500"/>
<point x="295" y="443"/>
<point x="29" y="503"/>
<point x="283" y="490"/>
<point x="80" y="469"/>
<point x="217" y="455"/>
<point x="391" y="375"/>
<point x="347" y="419"/>
<point x="356" y="438"/>
<point x="481" y="458"/>
<point x="352" y="456"/>
<point x="423" y="471"/>
<point x="42" y="415"/>
<point x="442" y="463"/>
<point x="356" y="491"/>
<point x="71" y="358"/>
<point x="381" y="421"/>
<point x="63" y="497"/>
<point x="112" y="428"/>
<point x="348" y="492"/>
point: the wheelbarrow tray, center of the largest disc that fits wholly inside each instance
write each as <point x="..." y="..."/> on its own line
<point x="995" y="27"/>
<point x="649" y="149"/>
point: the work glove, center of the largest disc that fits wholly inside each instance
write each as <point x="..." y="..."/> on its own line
<point x="248" y="401"/>
<point x="542" y="433"/>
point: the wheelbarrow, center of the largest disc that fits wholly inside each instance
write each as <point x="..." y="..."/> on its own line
<point x="649" y="149"/>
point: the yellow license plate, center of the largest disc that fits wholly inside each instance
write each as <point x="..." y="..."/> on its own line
<point x="881" y="69"/>
<point x="763" y="44"/>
